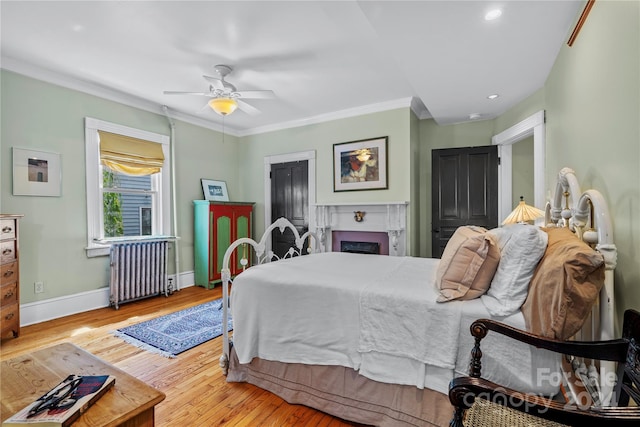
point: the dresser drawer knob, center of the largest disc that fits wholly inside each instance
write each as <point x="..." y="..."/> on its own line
<point x="6" y="251"/>
<point x="8" y="273"/>
<point x="7" y="229"/>
<point x="8" y="295"/>
<point x="8" y="316"/>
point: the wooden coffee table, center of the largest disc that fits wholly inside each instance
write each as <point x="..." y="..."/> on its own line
<point x="24" y="378"/>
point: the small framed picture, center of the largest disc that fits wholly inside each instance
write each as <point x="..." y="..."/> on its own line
<point x="215" y="190"/>
<point x="36" y="173"/>
<point x="360" y="165"/>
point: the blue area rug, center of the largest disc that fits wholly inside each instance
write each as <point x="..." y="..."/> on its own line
<point x="177" y="332"/>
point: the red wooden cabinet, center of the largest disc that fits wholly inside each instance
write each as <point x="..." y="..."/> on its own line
<point x="216" y="226"/>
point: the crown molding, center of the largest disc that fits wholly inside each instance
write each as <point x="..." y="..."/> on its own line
<point x="73" y="83"/>
<point x="334" y="115"/>
<point x="84" y="86"/>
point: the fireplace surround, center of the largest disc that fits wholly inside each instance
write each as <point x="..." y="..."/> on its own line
<point x="382" y="222"/>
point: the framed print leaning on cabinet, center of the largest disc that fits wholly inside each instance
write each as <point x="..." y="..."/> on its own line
<point x="215" y="190"/>
<point x="360" y="165"/>
<point x="36" y="173"/>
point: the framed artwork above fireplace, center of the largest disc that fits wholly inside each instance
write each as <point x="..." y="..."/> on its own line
<point x="360" y="165"/>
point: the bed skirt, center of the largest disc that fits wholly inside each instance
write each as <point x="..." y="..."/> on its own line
<point x="343" y="393"/>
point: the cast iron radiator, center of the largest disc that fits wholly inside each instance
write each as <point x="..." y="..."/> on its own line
<point x="138" y="270"/>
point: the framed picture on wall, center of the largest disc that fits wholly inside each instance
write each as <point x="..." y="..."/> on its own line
<point x="36" y="173"/>
<point x="215" y="190"/>
<point x="360" y="165"/>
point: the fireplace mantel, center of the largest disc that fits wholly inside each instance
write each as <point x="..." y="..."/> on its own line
<point x="387" y="217"/>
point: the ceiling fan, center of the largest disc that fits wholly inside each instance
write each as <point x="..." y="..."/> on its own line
<point x="225" y="98"/>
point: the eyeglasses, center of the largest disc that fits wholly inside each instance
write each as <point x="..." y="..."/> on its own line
<point x="59" y="397"/>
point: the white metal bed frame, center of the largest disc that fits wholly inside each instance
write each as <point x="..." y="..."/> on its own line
<point x="262" y="255"/>
<point x="586" y="215"/>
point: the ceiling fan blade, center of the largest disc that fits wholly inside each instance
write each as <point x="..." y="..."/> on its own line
<point x="256" y="94"/>
<point x="216" y="82"/>
<point x="249" y="109"/>
<point x="174" y="92"/>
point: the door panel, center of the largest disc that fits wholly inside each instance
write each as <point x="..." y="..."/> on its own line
<point x="464" y="191"/>
<point x="221" y="236"/>
<point x="289" y="199"/>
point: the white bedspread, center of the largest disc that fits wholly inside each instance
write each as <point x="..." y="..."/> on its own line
<point x="323" y="309"/>
<point x="399" y="315"/>
<point x="304" y="309"/>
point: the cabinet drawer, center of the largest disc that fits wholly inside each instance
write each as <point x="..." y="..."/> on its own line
<point x="8" y="251"/>
<point x="9" y="316"/>
<point x="7" y="229"/>
<point x="8" y="294"/>
<point x="8" y="273"/>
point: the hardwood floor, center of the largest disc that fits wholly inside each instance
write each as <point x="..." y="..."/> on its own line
<point x="197" y="392"/>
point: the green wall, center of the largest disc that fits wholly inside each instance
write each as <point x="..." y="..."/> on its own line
<point x="592" y="99"/>
<point x="320" y="137"/>
<point x="592" y="104"/>
<point x="53" y="233"/>
<point x="522" y="170"/>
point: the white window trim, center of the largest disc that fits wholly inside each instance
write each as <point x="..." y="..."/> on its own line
<point x="92" y="153"/>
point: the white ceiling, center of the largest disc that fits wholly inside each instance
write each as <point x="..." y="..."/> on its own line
<point x="323" y="59"/>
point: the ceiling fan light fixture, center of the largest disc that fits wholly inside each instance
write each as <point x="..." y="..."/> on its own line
<point x="223" y="106"/>
<point x="493" y="14"/>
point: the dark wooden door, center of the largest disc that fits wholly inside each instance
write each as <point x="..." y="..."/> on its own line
<point x="289" y="199"/>
<point x="464" y="191"/>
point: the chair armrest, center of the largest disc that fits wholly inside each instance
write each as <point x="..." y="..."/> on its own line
<point x="464" y="390"/>
<point x="612" y="350"/>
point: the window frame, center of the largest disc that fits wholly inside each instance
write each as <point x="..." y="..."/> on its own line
<point x="97" y="245"/>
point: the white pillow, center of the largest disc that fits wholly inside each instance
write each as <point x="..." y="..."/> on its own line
<point x="521" y="248"/>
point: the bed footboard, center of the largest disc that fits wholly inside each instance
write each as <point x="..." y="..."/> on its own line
<point x="262" y="255"/>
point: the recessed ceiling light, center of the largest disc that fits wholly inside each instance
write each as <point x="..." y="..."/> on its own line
<point x="493" y="14"/>
<point x="474" y="116"/>
<point x="493" y="96"/>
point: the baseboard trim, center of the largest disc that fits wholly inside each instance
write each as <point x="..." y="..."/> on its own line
<point x="53" y="308"/>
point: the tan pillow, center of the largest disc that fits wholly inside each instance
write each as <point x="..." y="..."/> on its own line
<point x="564" y="286"/>
<point x="468" y="264"/>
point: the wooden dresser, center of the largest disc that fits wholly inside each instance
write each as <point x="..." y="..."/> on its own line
<point x="9" y="276"/>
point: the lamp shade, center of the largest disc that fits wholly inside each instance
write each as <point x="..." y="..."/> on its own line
<point x="523" y="213"/>
<point x="223" y="106"/>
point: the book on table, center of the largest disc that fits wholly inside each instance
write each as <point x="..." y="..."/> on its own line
<point x="64" y="403"/>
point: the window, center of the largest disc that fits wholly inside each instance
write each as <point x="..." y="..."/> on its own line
<point x="120" y="204"/>
<point x="145" y="221"/>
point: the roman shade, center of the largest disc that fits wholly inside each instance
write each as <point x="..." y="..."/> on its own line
<point x="129" y="155"/>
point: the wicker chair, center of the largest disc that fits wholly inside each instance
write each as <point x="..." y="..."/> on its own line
<point x="479" y="402"/>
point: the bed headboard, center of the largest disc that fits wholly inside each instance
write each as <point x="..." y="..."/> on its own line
<point x="587" y="215"/>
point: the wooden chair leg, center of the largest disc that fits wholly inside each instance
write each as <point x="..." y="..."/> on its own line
<point x="458" y="415"/>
